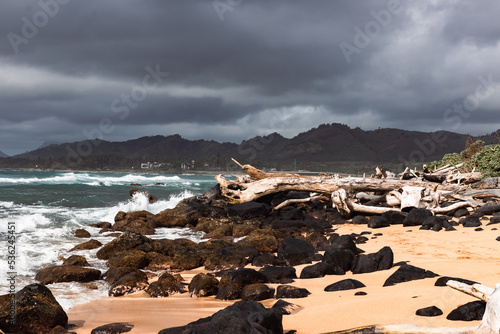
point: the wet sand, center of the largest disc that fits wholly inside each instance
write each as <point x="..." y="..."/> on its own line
<point x="463" y="253"/>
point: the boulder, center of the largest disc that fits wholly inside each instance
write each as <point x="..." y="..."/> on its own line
<point x="395" y="217"/>
<point x="471" y="221"/>
<point x="441" y="281"/>
<point x="241" y="317"/>
<point x="291" y="213"/>
<point x="359" y="220"/>
<point x="132" y="259"/>
<point x="468" y="312"/>
<point x="132" y="281"/>
<point x="461" y="212"/>
<point x="67" y="274"/>
<point x="114" y="328"/>
<point x="167" y="284"/>
<point x="233" y="281"/>
<point x="416" y="217"/>
<point x="81" y="233"/>
<point x="382" y="260"/>
<point x="203" y="285"/>
<point x="187" y="212"/>
<point x="76" y="260"/>
<point x="407" y="273"/>
<point x="224" y="230"/>
<point x="257" y="291"/>
<point x="347" y="284"/>
<point x="230" y="257"/>
<point x="264" y="259"/>
<point x="158" y="262"/>
<point x="431" y="311"/>
<point x="188" y="259"/>
<point x="263" y="242"/>
<point x="378" y="222"/>
<point x="126" y="241"/>
<point x="36" y="311"/>
<point x="344" y="242"/>
<point x="494" y="220"/>
<point x="321" y="269"/>
<point x="279" y="274"/>
<point x="295" y="251"/>
<point x="488" y="209"/>
<point x="249" y="210"/>
<point x="285" y="307"/>
<point x="342" y="258"/>
<point x="103" y="224"/>
<point x="288" y="291"/>
<point x="91" y="244"/>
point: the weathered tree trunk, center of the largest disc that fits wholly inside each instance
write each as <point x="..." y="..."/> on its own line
<point x="237" y="192"/>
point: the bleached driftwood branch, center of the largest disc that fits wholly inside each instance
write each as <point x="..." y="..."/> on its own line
<point x="390" y="193"/>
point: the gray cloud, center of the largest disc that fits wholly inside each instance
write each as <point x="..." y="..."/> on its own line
<point x="267" y="66"/>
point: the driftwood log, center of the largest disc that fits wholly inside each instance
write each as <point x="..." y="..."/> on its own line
<point x="490" y="324"/>
<point x="379" y="193"/>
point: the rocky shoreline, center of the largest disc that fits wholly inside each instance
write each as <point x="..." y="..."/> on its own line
<point x="263" y="259"/>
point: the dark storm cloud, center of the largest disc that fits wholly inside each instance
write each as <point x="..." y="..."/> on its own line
<point x="242" y="68"/>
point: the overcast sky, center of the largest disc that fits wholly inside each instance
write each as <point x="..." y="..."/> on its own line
<point x="229" y="70"/>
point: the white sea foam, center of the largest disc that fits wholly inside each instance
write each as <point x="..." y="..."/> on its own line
<point x="94" y="179"/>
<point x="45" y="231"/>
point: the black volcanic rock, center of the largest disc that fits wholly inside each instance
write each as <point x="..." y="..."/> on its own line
<point x="130" y="282"/>
<point x="36" y="311"/>
<point x="441" y="281"/>
<point x="416" y="217"/>
<point x="126" y="241"/>
<point x="382" y="260"/>
<point x="241" y="317"/>
<point x="203" y="285"/>
<point x="321" y="269"/>
<point x="342" y="258"/>
<point x="295" y="251"/>
<point x="67" y="273"/>
<point x="249" y="210"/>
<point x="114" y="328"/>
<point x="279" y="274"/>
<point x="471" y="221"/>
<point x="347" y="284"/>
<point x="431" y="311"/>
<point x="407" y="273"/>
<point x="258" y="291"/>
<point x="394" y="217"/>
<point x="233" y="281"/>
<point x="468" y="312"/>
<point x="288" y="291"/>
<point x="378" y="222"/>
<point x="359" y="220"/>
<point x="166" y="285"/>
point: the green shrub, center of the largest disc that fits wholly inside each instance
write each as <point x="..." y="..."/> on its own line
<point x="484" y="159"/>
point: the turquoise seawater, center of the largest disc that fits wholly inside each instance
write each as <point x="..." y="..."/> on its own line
<point x="46" y="207"/>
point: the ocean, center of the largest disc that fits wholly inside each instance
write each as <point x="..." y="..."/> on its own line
<point x="44" y="208"/>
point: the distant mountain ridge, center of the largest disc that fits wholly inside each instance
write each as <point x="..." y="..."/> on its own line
<point x="319" y="146"/>
<point x="3" y="155"/>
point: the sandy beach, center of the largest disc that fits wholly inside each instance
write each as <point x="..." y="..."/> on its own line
<point x="463" y="253"/>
